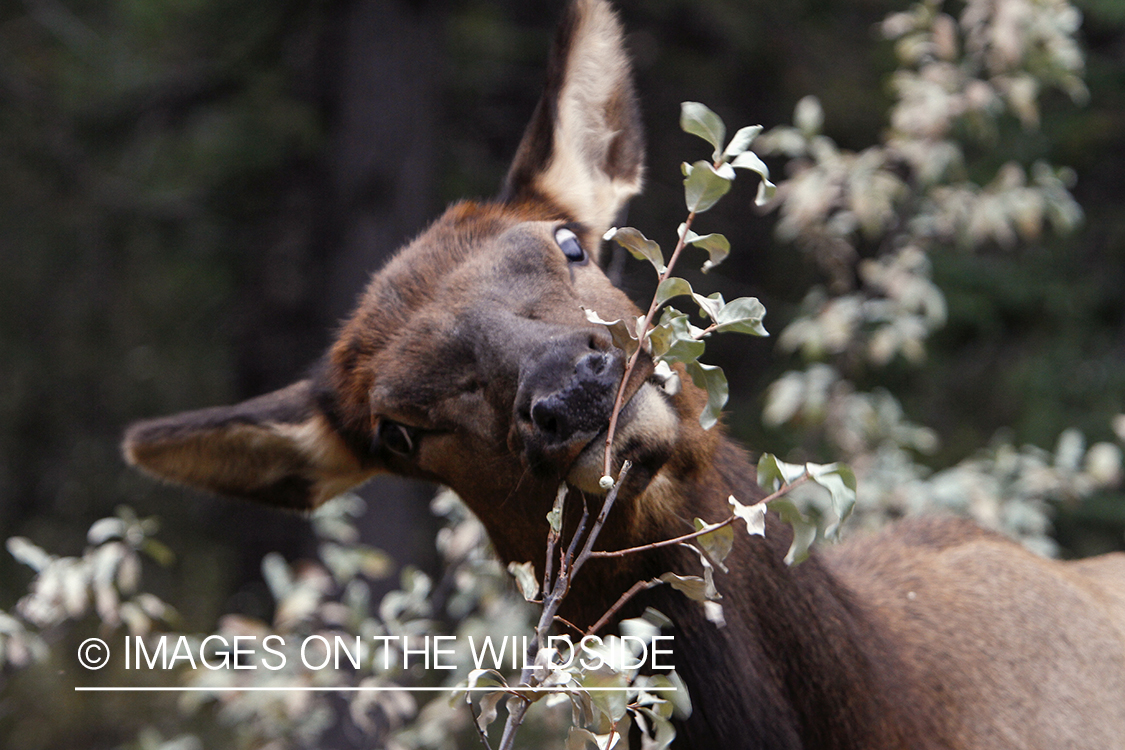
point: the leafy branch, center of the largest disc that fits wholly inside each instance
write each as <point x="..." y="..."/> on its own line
<point x="556" y="591"/>
<point x="674" y="339"/>
<point x="715" y="542"/>
<point x="754" y="515"/>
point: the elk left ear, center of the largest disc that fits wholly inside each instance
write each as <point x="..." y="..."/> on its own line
<point x="277" y="449"/>
<point x="584" y="147"/>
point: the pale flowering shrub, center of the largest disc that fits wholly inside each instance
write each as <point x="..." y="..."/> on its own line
<point x="907" y="198"/>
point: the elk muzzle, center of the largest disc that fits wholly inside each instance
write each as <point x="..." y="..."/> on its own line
<point x="565" y="396"/>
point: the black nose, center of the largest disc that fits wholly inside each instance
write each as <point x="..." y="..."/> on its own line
<point x="582" y="404"/>
<point x="568" y="390"/>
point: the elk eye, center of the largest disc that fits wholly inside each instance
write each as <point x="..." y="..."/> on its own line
<point x="395" y="437"/>
<point x="568" y="243"/>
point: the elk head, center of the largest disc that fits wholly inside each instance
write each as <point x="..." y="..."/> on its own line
<point x="470" y="360"/>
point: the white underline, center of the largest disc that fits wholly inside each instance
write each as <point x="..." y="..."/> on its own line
<point x="356" y="689"/>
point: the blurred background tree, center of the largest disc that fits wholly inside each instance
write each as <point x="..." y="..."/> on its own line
<point x="194" y="192"/>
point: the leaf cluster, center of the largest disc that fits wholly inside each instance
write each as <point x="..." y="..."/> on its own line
<point x="674" y="339"/>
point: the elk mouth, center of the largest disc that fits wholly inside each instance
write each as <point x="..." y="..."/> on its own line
<point x="647" y="428"/>
<point x="563" y="405"/>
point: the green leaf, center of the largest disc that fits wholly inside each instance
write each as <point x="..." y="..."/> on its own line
<point x="27" y="553"/>
<point x="674" y="340"/>
<point x="346" y="561"/>
<point x="105" y="529"/>
<point x="479" y="678"/>
<point x="488" y="705"/>
<point x="711" y="591"/>
<point x="554" y="518"/>
<point x="754" y="515"/>
<point x="804" y="531"/>
<point x="278" y="575"/>
<point x="808" y="116"/>
<point x="703" y="187"/>
<point x="766" y="191"/>
<point x="639" y="627"/>
<point x="623" y="338"/>
<point x="693" y="587"/>
<point x="641" y="247"/>
<point x="750" y="160"/>
<point x="660" y="732"/>
<point x="580" y="739"/>
<point x="528" y="584"/>
<point x="668" y="378"/>
<point x="680" y="698"/>
<point x="717" y="543"/>
<point x="611" y="704"/>
<point x="743" y="315"/>
<point x="840" y="482"/>
<point x="161" y="553"/>
<point x="698" y="119"/>
<point x="656" y="617"/>
<point x="357" y="598"/>
<point x="716" y="245"/>
<point x="484" y="677"/>
<point x="650" y="698"/>
<point x="711" y="379"/>
<point x="774" y="474"/>
<point x="710" y="305"/>
<point x="673" y="286"/>
<point x="741" y="141"/>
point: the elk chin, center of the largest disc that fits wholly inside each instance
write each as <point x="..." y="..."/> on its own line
<point x="647" y="429"/>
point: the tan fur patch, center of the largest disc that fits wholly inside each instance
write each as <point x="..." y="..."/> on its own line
<point x="336" y="469"/>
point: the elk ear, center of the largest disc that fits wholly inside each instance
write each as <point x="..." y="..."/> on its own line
<point x="584" y="147"/>
<point x="278" y="449"/>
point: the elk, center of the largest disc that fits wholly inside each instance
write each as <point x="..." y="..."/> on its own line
<point x="470" y="362"/>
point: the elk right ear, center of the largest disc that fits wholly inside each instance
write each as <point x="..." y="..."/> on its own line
<point x="584" y="147"/>
<point x="278" y="449"/>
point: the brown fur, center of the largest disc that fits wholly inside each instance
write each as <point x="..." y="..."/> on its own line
<point x="470" y="362"/>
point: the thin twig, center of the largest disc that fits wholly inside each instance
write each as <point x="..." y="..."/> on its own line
<point x="566" y="560"/>
<point x="570" y="550"/>
<point x="635" y="589"/>
<point x="552" y="540"/>
<point x="612" y="731"/>
<point x="701" y="532"/>
<point x="568" y="623"/>
<point x="619" y="401"/>
<point x="553" y="600"/>
<point x="705" y="332"/>
<point x="666" y="542"/>
<point x="515" y="719"/>
<point x="480" y="732"/>
<point x="607" y="506"/>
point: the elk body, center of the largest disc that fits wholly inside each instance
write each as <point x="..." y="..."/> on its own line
<point x="470" y="362"/>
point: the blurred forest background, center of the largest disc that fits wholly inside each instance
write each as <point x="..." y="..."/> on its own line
<point x="193" y="192"/>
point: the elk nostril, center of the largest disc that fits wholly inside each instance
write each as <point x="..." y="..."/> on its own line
<point x="545" y="417"/>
